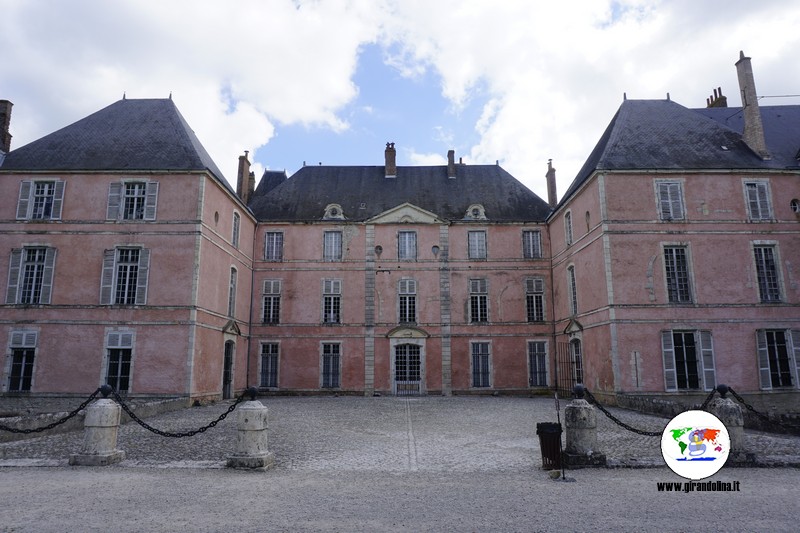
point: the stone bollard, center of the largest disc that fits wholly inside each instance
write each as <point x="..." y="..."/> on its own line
<point x="100" y="435"/>
<point x="730" y="414"/>
<point x="580" y="420"/>
<point x="251" y="439"/>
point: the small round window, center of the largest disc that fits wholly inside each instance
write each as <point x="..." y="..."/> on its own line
<point x="795" y="204"/>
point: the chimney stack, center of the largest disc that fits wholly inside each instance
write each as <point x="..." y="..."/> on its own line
<point x="551" y="184"/>
<point x="718" y="100"/>
<point x="451" y="164"/>
<point x="753" y="134"/>
<point x="5" y="123"/>
<point x="391" y="160"/>
<point x="243" y="178"/>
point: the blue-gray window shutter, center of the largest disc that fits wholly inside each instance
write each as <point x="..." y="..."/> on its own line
<point x="763" y="360"/>
<point x="114" y="201"/>
<point x="47" y="275"/>
<point x="13" y="276"/>
<point x="141" y="280"/>
<point x="668" y="352"/>
<point x="151" y="200"/>
<point x="707" y="352"/>
<point x="24" y="199"/>
<point x="58" y="200"/>
<point x="107" y="281"/>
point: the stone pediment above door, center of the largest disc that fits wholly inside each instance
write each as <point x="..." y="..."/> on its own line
<point x="232" y="328"/>
<point x="573" y="327"/>
<point x="406" y="214"/>
<point x="407" y="332"/>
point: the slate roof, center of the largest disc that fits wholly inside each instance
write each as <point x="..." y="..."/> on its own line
<point x="304" y="196"/>
<point x="129" y="135"/>
<point x="664" y="135"/>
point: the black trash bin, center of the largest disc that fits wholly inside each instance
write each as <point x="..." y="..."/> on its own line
<point x="550" y="443"/>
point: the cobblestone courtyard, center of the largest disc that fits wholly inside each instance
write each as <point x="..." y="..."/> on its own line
<point x="460" y="434"/>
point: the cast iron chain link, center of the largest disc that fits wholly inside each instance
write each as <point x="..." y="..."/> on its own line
<point x="71" y="414"/>
<point x="617" y="421"/>
<point x="176" y="435"/>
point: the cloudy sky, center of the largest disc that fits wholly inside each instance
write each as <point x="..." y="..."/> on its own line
<point x="331" y="81"/>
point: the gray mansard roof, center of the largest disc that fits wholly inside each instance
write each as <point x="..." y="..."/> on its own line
<point x="364" y="192"/>
<point x="664" y="135"/>
<point x="129" y="135"/>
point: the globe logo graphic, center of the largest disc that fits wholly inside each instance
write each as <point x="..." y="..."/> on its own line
<point x="695" y="444"/>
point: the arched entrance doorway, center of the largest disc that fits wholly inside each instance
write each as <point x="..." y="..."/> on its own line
<point x="407" y="345"/>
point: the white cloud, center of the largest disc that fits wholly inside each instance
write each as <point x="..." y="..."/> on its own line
<point x="549" y="76"/>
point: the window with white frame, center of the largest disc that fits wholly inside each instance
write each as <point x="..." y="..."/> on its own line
<point x="670" y="200"/>
<point x="537" y="363"/>
<point x="769" y="287"/>
<point x="331" y="301"/>
<point x="236" y="223"/>
<point x="232" y="293"/>
<point x="478" y="300"/>
<point x="273" y="246"/>
<point x="476" y="244"/>
<point x="269" y="364"/>
<point x="407" y="245"/>
<point x="30" y="275"/>
<point x="759" y="206"/>
<point x="534" y="299"/>
<point x="23" y="352"/>
<point x="778" y="358"/>
<point x="119" y="359"/>
<point x="331" y="365"/>
<point x="481" y="364"/>
<point x="132" y="200"/>
<point x="332" y="246"/>
<point x="532" y="244"/>
<point x="572" y="287"/>
<point x="40" y="200"/>
<point x="676" y="266"/>
<point x="407" y="301"/>
<point x="271" y="313"/>
<point x="124" y="280"/>
<point x="568" y="227"/>
<point x="688" y="358"/>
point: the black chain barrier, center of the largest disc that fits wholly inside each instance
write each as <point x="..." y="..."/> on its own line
<point x="762" y="416"/>
<point x="590" y="397"/>
<point x="71" y="414"/>
<point x="580" y="391"/>
<point x="250" y="392"/>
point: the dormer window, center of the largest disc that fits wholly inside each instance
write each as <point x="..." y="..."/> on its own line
<point x="475" y="212"/>
<point x="333" y="212"/>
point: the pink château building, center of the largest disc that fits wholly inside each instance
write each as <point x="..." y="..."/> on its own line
<point x="667" y="267"/>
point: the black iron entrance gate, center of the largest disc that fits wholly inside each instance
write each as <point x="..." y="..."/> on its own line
<point x="569" y="366"/>
<point x="407" y="370"/>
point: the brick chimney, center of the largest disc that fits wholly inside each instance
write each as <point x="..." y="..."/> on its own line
<point x="753" y="134"/>
<point x="451" y="164"/>
<point x="551" y="184"/>
<point x="391" y="160"/>
<point x="718" y="100"/>
<point x="5" y="122"/>
<point x="243" y="178"/>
